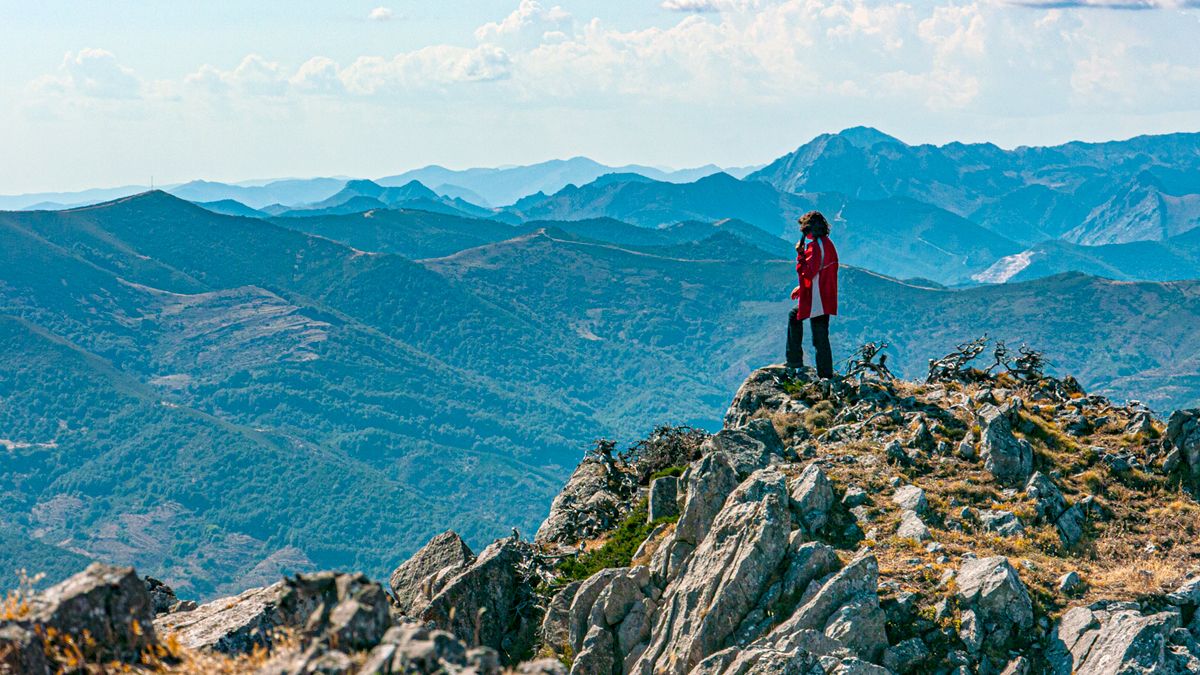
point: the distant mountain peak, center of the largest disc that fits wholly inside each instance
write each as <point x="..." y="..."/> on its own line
<point x="865" y="137"/>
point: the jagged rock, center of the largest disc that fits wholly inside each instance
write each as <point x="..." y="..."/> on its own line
<point x="446" y="550"/>
<point x="162" y="596"/>
<point x="1070" y="524"/>
<point x="1069" y="583"/>
<point x="896" y="454"/>
<point x="109" y="603"/>
<point x="993" y="591"/>
<point x="1008" y="458"/>
<point x="910" y="498"/>
<point x="760" y="390"/>
<point x="352" y="611"/>
<point x="231" y="625"/>
<point x="807" y="562"/>
<point x="481" y="603"/>
<point x="585" y="598"/>
<point x="412" y="649"/>
<point x="709" y="481"/>
<point x="1117" y="638"/>
<point x="758" y="661"/>
<point x="859" y="629"/>
<point x="22" y="651"/>
<point x="966" y="448"/>
<point x="723" y="578"/>
<point x="912" y="527"/>
<point x="1183" y="432"/>
<point x="586" y="498"/>
<point x="597" y="655"/>
<point x="348" y="610"/>
<point x="1142" y="422"/>
<point x="556" y="626"/>
<point x="905" y="657"/>
<point x="851" y="666"/>
<point x="812" y="497"/>
<point x="1048" y="499"/>
<point x="855" y="496"/>
<point x="922" y="439"/>
<point x="1078" y="424"/>
<point x="1003" y="523"/>
<point x="753" y="446"/>
<point x="1187" y="595"/>
<point x="662" y="502"/>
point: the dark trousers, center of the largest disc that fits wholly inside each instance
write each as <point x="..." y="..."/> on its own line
<point x="820" y="338"/>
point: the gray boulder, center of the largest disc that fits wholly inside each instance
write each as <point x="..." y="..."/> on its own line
<point x="723" y="578"/>
<point x="910" y="498"/>
<point x="751" y="447"/>
<point x="481" y="604"/>
<point x="446" y="550"/>
<point x="1118" y="638"/>
<point x="1008" y="458"/>
<point x="992" y="590"/>
<point x="663" y="499"/>
<point x="760" y="391"/>
<point x="906" y="657"/>
<point x="232" y="625"/>
<point x="912" y="527"/>
<point x="414" y="648"/>
<point x="1047" y="498"/>
<point x="844" y="608"/>
<point x="556" y="625"/>
<point x="350" y="611"/>
<point x="1183" y="432"/>
<point x="585" y="503"/>
<point x="1003" y="523"/>
<point x="110" y="604"/>
<point x="162" y="596"/>
<point x="1070" y="525"/>
<point x="812" y="497"/>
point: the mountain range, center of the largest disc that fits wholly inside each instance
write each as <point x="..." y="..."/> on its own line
<point x="221" y="398"/>
<point x="956" y="214"/>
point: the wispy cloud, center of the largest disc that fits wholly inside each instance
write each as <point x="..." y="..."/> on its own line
<point x="692" y="5"/>
<point x="1133" y="5"/>
<point x="381" y="14"/>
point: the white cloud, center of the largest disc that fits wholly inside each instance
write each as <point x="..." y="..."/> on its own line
<point x="431" y="67"/>
<point x="91" y="73"/>
<point x="254" y="76"/>
<point x="381" y="14"/>
<point x="692" y="5"/>
<point x="1108" y="4"/>
<point x="318" y="75"/>
<point x="527" y="23"/>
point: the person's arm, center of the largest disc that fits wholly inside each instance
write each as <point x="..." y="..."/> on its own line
<point x="799" y="268"/>
<point x="811" y="263"/>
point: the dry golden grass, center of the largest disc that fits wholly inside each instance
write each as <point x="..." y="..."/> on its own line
<point x="1142" y="508"/>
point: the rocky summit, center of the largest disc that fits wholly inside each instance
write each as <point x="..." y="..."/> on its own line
<point x="986" y="520"/>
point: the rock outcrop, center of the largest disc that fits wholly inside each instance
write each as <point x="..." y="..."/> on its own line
<point x="108" y="604"/>
<point x="485" y="603"/>
<point x="446" y="552"/>
<point x="1008" y="458"/>
<point x="743" y="553"/>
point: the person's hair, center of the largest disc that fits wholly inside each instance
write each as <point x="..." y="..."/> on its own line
<point x="814" y="224"/>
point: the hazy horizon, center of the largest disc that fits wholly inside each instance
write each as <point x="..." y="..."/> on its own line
<point x="109" y="96"/>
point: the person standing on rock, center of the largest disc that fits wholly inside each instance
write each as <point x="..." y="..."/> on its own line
<point x="816" y="295"/>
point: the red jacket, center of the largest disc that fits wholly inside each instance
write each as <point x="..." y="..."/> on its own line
<point x="817" y="267"/>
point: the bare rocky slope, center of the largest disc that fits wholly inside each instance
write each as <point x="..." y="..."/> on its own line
<point x="984" y="521"/>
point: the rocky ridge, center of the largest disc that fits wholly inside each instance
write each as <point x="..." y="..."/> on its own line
<point x="985" y="521"/>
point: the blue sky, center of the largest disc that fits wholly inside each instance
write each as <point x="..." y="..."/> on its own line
<point x="99" y="94"/>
